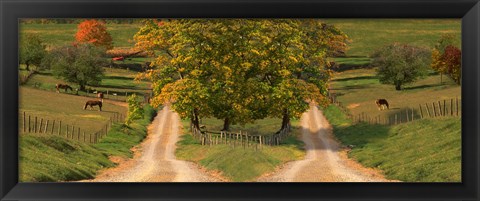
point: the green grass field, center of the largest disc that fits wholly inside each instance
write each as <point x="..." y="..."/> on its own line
<point x="359" y="88"/>
<point x="368" y="35"/>
<point x="50" y="158"/>
<point x="56" y="35"/>
<point x="239" y="164"/>
<point x="427" y="150"/>
<point x="67" y="108"/>
<point x="116" y="81"/>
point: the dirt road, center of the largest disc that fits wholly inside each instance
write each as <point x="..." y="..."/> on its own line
<point x="155" y="160"/>
<point x="324" y="160"/>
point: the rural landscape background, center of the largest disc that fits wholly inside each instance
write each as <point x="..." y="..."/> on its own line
<point x="191" y="101"/>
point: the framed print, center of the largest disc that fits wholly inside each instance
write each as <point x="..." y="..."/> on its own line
<point x="242" y="100"/>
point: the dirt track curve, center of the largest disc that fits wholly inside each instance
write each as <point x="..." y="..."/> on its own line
<point x="324" y="160"/>
<point x="155" y="161"/>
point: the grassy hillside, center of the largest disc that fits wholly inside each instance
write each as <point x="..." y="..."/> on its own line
<point x="427" y="150"/>
<point x="238" y="164"/>
<point x="50" y="158"/>
<point x="67" y="108"/>
<point x="358" y="89"/>
<point x="369" y="34"/>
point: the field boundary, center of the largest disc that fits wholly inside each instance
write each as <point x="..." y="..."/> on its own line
<point x="240" y="139"/>
<point x="31" y="125"/>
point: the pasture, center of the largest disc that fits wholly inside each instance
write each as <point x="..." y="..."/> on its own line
<point x="56" y="35"/>
<point x="368" y="35"/>
<point x="116" y="81"/>
<point x="427" y="150"/>
<point x="241" y="164"/>
<point x="358" y="89"/>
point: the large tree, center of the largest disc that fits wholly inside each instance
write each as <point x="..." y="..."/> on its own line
<point x="401" y="64"/>
<point x="31" y="50"/>
<point x="81" y="64"/>
<point x="241" y="70"/>
<point x="94" y="32"/>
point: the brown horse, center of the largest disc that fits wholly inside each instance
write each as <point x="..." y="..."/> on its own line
<point x="92" y="103"/>
<point x="382" y="104"/>
<point x="63" y="86"/>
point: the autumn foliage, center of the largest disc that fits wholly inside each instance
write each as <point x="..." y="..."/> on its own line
<point x="451" y="59"/>
<point x="94" y="32"/>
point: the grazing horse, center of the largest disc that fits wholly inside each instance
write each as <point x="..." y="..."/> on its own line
<point x="100" y="95"/>
<point x="63" y="86"/>
<point x="92" y="103"/>
<point x="382" y="104"/>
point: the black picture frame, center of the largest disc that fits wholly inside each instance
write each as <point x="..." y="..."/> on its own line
<point x="11" y="11"/>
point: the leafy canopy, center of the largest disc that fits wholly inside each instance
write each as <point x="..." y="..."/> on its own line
<point x="400" y="64"/>
<point x="94" y="32"/>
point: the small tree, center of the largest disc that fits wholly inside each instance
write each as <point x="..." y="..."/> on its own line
<point x="135" y="109"/>
<point x="81" y="64"/>
<point x="452" y="59"/>
<point x="438" y="64"/>
<point x="32" y="50"/>
<point x="400" y="64"/>
<point x="94" y="32"/>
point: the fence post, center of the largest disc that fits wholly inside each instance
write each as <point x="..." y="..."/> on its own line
<point x="60" y="128"/>
<point x="440" y="108"/>
<point x="67" y="130"/>
<point x="73" y="131"/>
<point x="421" y="112"/>
<point x="412" y="114"/>
<point x="396" y="118"/>
<point x="46" y="127"/>
<point x="434" y="109"/>
<point x="53" y="126"/>
<point x="451" y="107"/>
<point x="24" y="123"/>
<point x="444" y="107"/>
<point x="41" y="126"/>
<point x="457" y="106"/>
<point x="29" y="127"/>
<point x="35" y="128"/>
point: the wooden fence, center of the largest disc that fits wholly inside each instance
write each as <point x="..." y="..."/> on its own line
<point x="450" y="107"/>
<point x="240" y="139"/>
<point x="38" y="125"/>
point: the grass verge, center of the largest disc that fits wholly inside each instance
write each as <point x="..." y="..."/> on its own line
<point x="51" y="158"/>
<point x="239" y="164"/>
<point x="427" y="150"/>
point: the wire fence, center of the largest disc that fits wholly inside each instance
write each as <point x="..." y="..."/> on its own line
<point x="239" y="139"/>
<point x="32" y="124"/>
<point x="447" y="107"/>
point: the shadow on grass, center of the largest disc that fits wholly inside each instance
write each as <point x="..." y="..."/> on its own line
<point x="356" y="78"/>
<point x="118" y="78"/>
<point x="421" y="87"/>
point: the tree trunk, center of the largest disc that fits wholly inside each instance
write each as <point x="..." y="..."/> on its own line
<point x="196" y="122"/>
<point x="28" y="66"/>
<point x="398" y="86"/>
<point x="285" y="119"/>
<point x="226" y="124"/>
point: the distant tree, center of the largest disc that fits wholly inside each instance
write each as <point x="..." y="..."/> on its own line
<point x="81" y="64"/>
<point x="438" y="64"/>
<point x="400" y="64"/>
<point x="32" y="50"/>
<point x="452" y="59"/>
<point x="94" y="32"/>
